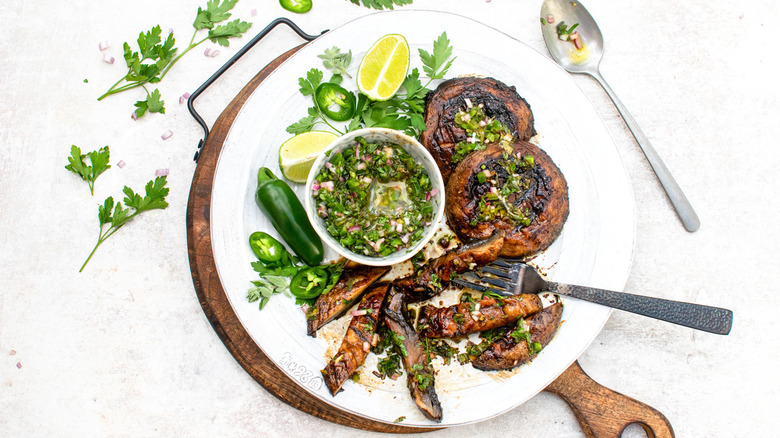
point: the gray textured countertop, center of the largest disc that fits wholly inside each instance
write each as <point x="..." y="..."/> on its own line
<point x="124" y="349"/>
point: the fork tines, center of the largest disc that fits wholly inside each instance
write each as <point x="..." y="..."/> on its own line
<point x="476" y="282"/>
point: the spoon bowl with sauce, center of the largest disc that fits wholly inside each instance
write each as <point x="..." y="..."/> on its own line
<point x="574" y="41"/>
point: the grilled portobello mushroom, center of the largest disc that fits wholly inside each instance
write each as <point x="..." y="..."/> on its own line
<point x="429" y="280"/>
<point x="475" y="316"/>
<point x="352" y="283"/>
<point x="514" y="188"/>
<point x="358" y="340"/>
<point x="442" y="134"/>
<point x="419" y="371"/>
<point x="512" y="351"/>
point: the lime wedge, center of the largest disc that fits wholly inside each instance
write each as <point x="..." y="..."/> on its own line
<point x="384" y="67"/>
<point x="297" y="154"/>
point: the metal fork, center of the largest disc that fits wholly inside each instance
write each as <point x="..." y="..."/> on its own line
<point x="516" y="278"/>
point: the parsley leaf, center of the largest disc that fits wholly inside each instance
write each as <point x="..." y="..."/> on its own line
<point x="98" y="160"/>
<point x="381" y="4"/>
<point x="115" y="215"/>
<point x="152" y="103"/>
<point x="221" y="33"/>
<point x="155" y="57"/>
<point x="309" y="84"/>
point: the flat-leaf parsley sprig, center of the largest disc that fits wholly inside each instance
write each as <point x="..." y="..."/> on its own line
<point x="155" y="57"/>
<point x="381" y="4"/>
<point x="117" y="215"/>
<point x="403" y="112"/>
<point x="98" y="160"/>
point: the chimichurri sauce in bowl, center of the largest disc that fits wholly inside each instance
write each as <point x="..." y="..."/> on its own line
<point x="375" y="196"/>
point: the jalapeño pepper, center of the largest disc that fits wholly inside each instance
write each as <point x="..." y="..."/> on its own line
<point x="297" y="6"/>
<point x="309" y="282"/>
<point x="266" y="248"/>
<point x="280" y="205"/>
<point x="335" y="101"/>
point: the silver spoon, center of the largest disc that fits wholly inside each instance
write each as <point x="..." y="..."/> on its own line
<point x="586" y="60"/>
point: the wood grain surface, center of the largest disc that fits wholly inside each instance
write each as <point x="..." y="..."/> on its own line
<point x="601" y="412"/>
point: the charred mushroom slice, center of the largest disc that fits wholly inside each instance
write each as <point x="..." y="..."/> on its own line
<point x="351" y="285"/>
<point x="520" y="345"/>
<point x="419" y="371"/>
<point x="431" y="278"/>
<point x="444" y="136"/>
<point x="359" y="339"/>
<point x="519" y="191"/>
<point x="470" y="316"/>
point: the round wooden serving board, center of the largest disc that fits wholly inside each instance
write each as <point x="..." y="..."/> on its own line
<point x="600" y="411"/>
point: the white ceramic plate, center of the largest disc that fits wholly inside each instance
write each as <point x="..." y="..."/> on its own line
<point x="594" y="249"/>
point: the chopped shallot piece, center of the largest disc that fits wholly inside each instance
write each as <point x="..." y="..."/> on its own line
<point x="103" y="45"/>
<point x="253" y="13"/>
<point x="134" y="116"/>
<point x="366" y="346"/>
<point x="166" y="135"/>
<point x="108" y="58"/>
<point x="183" y="98"/>
<point x="19" y="365"/>
<point x="375" y="339"/>
<point x="359" y="312"/>
<point x="550" y="19"/>
<point x="468" y="103"/>
<point x="207" y="52"/>
<point x="120" y="164"/>
<point x="161" y="172"/>
<point x="575" y="38"/>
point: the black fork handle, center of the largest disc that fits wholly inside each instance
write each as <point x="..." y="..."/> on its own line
<point x="706" y="318"/>
<point x="229" y="63"/>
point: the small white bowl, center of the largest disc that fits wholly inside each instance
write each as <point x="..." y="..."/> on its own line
<point x="382" y="136"/>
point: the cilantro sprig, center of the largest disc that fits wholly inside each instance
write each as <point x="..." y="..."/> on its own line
<point x="155" y="57"/>
<point x="98" y="160"/>
<point x="403" y="112"/>
<point x="115" y="216"/>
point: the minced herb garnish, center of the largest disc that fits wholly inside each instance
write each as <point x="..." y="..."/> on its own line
<point x="480" y="130"/>
<point x="375" y="199"/>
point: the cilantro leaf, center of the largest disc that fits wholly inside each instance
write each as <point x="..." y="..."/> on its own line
<point x="98" y="160"/>
<point x="116" y="215"/>
<point x="436" y="65"/>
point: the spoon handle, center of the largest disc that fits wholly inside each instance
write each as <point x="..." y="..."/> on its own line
<point x="684" y="209"/>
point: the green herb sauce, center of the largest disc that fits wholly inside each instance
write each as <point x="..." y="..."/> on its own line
<point x="375" y="199"/>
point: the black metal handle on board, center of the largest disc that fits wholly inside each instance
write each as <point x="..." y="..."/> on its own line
<point x="227" y="65"/>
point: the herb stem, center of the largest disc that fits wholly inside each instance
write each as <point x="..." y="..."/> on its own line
<point x="184" y="52"/>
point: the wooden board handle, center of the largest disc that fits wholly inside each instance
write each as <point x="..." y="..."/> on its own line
<point x="604" y="413"/>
